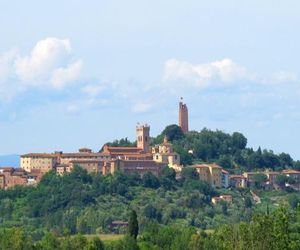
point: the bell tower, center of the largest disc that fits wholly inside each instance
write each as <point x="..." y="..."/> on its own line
<point x="143" y="137"/>
<point x="183" y="117"/>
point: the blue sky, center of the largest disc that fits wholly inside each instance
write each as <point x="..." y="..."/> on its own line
<point x="76" y="73"/>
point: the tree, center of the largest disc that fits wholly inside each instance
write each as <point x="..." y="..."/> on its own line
<point x="150" y="180"/>
<point x="94" y="244"/>
<point x="286" y="160"/>
<point x="133" y="225"/>
<point x="173" y="132"/>
<point x="225" y="161"/>
<point x="196" y="243"/>
<point x="239" y="141"/>
<point x="189" y="173"/>
<point x="167" y="177"/>
<point x="259" y="180"/>
<point x="281" y="180"/>
<point x="248" y="202"/>
<point x="49" y="242"/>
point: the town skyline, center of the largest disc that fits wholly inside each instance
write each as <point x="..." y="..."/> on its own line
<point x="89" y="78"/>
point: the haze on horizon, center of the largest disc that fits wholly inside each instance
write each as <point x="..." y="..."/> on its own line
<point x="76" y="74"/>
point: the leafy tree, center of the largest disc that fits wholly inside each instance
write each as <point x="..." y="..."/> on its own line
<point x="173" y="132"/>
<point x="189" y="173"/>
<point x="152" y="212"/>
<point x="133" y="226"/>
<point x="196" y="242"/>
<point x="239" y="141"/>
<point x="286" y="160"/>
<point x="225" y="161"/>
<point x="248" y="202"/>
<point x="94" y="244"/>
<point x="150" y="180"/>
<point x="259" y="180"/>
<point x="281" y="180"/>
<point x="167" y="177"/>
<point x="49" y="242"/>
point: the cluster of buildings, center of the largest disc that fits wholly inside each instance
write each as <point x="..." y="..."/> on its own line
<point x="247" y="178"/>
<point x="140" y="159"/>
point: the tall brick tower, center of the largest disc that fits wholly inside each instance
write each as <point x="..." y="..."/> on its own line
<point x="143" y="137"/>
<point x="183" y="117"/>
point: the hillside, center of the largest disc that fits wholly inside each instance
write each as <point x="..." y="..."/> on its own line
<point x="228" y="150"/>
<point x="83" y="203"/>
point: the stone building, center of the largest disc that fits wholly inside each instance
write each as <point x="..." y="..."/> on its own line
<point x="143" y="137"/>
<point x="164" y="153"/>
<point x="41" y="161"/>
<point x="139" y="167"/>
<point x="183" y="117"/>
<point x="11" y="177"/>
<point x="211" y="173"/>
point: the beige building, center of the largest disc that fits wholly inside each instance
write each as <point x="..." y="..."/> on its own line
<point x="164" y="153"/>
<point x="139" y="167"/>
<point x="224" y="197"/>
<point x="62" y="162"/>
<point x="42" y="162"/>
<point x="211" y="173"/>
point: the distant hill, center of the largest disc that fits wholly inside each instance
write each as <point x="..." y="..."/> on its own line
<point x="9" y="160"/>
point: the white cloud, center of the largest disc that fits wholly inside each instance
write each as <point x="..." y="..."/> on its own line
<point x="62" y="76"/>
<point x="49" y="64"/>
<point x="6" y="64"/>
<point x="141" y="107"/>
<point x="222" y="72"/>
<point x="93" y="90"/>
<point x="219" y="73"/>
<point x="45" y="57"/>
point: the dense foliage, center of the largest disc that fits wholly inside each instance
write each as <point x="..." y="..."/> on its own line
<point x="228" y="150"/>
<point x="275" y="230"/>
<point x="82" y="203"/>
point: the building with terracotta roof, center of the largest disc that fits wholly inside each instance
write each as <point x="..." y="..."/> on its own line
<point x="41" y="161"/>
<point x="164" y="153"/>
<point x="211" y="173"/>
<point x="45" y="162"/>
<point x="11" y="177"/>
<point x="132" y="166"/>
<point x="237" y="181"/>
<point x="295" y="174"/>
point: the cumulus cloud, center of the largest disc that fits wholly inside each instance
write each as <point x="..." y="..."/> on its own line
<point x="6" y="64"/>
<point x="49" y="64"/>
<point x="203" y="75"/>
<point x="93" y="90"/>
<point x="45" y="57"/>
<point x="62" y="76"/>
<point x="141" y="107"/>
<point x="218" y="74"/>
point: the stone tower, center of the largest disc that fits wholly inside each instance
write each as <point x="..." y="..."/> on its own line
<point x="143" y="137"/>
<point x="183" y="117"/>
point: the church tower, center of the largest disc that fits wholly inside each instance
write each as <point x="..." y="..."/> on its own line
<point x="183" y="117"/>
<point x="143" y="137"/>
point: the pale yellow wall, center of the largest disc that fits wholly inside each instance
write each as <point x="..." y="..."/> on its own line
<point x="42" y="163"/>
<point x="216" y="177"/>
<point x="211" y="175"/>
<point x="170" y="159"/>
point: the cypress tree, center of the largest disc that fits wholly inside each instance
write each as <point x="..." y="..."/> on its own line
<point x="133" y="225"/>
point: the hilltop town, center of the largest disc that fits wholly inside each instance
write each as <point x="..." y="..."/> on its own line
<point x="141" y="159"/>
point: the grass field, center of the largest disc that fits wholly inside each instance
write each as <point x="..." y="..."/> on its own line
<point x="106" y="237"/>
